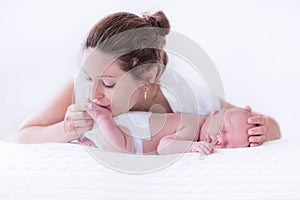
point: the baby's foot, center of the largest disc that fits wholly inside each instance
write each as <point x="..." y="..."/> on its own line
<point x="87" y="142"/>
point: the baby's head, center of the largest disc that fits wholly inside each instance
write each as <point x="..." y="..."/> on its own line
<point x="227" y="128"/>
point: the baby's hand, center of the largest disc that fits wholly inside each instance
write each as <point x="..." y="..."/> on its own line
<point x="203" y="147"/>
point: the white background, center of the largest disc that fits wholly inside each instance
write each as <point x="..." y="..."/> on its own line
<point x="255" y="46"/>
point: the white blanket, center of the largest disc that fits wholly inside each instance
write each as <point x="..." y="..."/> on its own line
<point x="68" y="171"/>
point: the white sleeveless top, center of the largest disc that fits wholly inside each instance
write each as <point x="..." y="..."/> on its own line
<point x="186" y="90"/>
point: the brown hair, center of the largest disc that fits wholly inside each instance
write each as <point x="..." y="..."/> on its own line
<point x="138" y="40"/>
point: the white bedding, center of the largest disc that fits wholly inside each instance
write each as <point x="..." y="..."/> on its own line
<point x="68" y="171"/>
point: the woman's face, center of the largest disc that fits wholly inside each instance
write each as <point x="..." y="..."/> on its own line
<point x="111" y="87"/>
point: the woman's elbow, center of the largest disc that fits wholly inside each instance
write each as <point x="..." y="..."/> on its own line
<point x="20" y="136"/>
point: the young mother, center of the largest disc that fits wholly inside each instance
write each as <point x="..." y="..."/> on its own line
<point x="129" y="83"/>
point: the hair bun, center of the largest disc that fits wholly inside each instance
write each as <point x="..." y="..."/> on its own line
<point x="159" y="19"/>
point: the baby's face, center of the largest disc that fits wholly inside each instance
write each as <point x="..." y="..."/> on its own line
<point x="227" y="128"/>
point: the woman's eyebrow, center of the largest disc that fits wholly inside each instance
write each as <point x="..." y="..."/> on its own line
<point x="102" y="76"/>
<point x="106" y="76"/>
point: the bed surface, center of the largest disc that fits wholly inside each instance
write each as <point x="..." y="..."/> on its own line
<point x="69" y="171"/>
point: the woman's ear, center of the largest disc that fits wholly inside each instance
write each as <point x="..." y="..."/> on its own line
<point x="248" y="108"/>
<point x="150" y="75"/>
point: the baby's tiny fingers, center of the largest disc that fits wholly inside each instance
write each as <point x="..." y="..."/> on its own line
<point x="206" y="147"/>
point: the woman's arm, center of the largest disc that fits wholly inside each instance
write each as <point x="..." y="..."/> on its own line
<point x="49" y="125"/>
<point x="266" y="127"/>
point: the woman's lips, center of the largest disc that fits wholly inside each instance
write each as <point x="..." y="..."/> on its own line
<point x="107" y="107"/>
<point x="103" y="106"/>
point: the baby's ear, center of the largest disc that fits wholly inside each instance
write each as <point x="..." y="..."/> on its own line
<point x="248" y="108"/>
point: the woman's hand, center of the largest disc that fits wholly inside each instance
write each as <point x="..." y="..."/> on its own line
<point x="77" y="121"/>
<point x="265" y="129"/>
<point x="257" y="134"/>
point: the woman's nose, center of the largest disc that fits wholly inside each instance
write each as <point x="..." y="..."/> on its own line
<point x="96" y="91"/>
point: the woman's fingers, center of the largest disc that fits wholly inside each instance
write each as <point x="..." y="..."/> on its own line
<point x="84" y="123"/>
<point x="258" y="130"/>
<point x="256" y="120"/>
<point x="77" y="121"/>
<point x="81" y="107"/>
<point x="254" y="144"/>
<point x="257" y="139"/>
<point x="257" y="134"/>
<point x="78" y="131"/>
<point x="80" y="115"/>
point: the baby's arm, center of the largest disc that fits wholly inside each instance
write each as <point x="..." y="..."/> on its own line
<point x="180" y="133"/>
<point x="169" y="145"/>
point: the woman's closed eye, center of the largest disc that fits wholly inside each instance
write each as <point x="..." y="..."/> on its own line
<point x="107" y="84"/>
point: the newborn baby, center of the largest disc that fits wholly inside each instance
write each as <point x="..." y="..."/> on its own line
<point x="226" y="128"/>
<point x="165" y="133"/>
